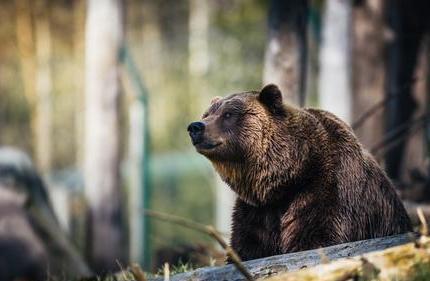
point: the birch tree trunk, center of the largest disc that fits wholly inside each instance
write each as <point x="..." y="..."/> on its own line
<point x="334" y="82"/>
<point x="104" y="35"/>
<point x="286" y="51"/>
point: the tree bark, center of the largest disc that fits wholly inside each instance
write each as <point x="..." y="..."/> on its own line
<point x="42" y="104"/>
<point x="407" y="19"/>
<point x="286" y="51"/>
<point x="198" y="45"/>
<point x="43" y="88"/>
<point x="407" y="262"/>
<point x="25" y="43"/>
<point x="104" y="36"/>
<point x="368" y="69"/>
<point x="78" y="53"/>
<point x="334" y="81"/>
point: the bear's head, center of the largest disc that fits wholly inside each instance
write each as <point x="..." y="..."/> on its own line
<point x="254" y="141"/>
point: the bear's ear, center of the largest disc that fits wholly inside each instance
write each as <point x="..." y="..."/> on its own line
<point x="271" y="97"/>
<point x="215" y="99"/>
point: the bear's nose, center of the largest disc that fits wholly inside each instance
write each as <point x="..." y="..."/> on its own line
<point x="196" y="130"/>
<point x="196" y="127"/>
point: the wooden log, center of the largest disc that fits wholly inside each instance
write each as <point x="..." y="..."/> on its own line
<point x="406" y="262"/>
<point x="292" y="262"/>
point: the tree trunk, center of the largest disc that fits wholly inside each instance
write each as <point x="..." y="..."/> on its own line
<point x="198" y="45"/>
<point x="369" y="71"/>
<point x="43" y="103"/>
<point x="414" y="173"/>
<point x="334" y="82"/>
<point x="198" y="49"/>
<point x="78" y="52"/>
<point x="104" y="36"/>
<point x="407" y="20"/>
<point x="136" y="182"/>
<point x="286" y="52"/>
<point x="25" y="43"/>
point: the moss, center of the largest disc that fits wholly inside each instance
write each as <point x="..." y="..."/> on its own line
<point x="421" y="271"/>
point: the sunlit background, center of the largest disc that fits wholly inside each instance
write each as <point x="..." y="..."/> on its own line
<point x="99" y="94"/>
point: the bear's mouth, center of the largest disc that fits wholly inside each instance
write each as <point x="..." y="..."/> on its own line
<point x="206" y="146"/>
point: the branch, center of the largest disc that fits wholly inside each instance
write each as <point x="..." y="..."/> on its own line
<point x="379" y="105"/>
<point x="401" y="129"/>
<point x="209" y="230"/>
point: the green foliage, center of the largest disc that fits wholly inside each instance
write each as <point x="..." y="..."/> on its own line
<point x="182" y="186"/>
<point x="238" y="39"/>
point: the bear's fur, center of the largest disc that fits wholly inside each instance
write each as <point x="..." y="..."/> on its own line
<point x="302" y="179"/>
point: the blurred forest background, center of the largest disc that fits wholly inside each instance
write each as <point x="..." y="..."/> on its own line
<point x="99" y="94"/>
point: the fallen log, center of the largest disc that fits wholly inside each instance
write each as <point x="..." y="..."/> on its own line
<point x="269" y="266"/>
<point x="406" y="262"/>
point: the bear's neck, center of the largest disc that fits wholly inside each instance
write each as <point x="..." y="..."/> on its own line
<point x="288" y="163"/>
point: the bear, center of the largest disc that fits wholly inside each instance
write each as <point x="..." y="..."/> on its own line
<point x="302" y="179"/>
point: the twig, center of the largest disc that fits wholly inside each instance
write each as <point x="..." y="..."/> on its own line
<point x="209" y="230"/>
<point x="323" y="256"/>
<point x="386" y="148"/>
<point x="424" y="227"/>
<point x="122" y="271"/>
<point x="137" y="272"/>
<point x="381" y="104"/>
<point x="372" y="110"/>
<point x="166" y="271"/>
<point x="406" y="126"/>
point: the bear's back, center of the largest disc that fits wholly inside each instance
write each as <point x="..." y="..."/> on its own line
<point x="368" y="204"/>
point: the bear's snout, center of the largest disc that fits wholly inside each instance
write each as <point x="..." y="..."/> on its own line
<point x="196" y="130"/>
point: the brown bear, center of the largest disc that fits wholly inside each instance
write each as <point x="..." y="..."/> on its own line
<point x="302" y="179"/>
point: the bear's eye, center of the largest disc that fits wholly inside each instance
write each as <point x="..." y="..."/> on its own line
<point x="227" y="115"/>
